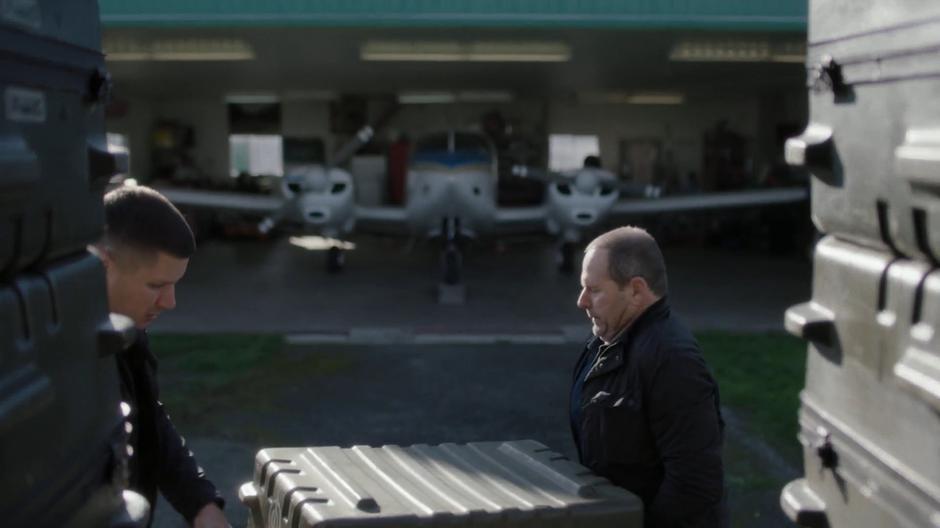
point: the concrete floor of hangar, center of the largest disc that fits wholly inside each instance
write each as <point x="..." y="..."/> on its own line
<point x="388" y="291"/>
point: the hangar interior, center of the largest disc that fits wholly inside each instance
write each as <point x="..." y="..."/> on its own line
<point x="688" y="97"/>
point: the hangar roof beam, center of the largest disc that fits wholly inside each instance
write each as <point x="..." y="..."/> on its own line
<point x="734" y="15"/>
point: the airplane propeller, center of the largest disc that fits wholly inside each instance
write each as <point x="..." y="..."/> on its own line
<point x="295" y="184"/>
<point x="592" y="184"/>
<point x="317" y="180"/>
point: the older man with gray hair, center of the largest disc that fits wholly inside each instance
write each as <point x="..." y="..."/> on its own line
<point x="644" y="407"/>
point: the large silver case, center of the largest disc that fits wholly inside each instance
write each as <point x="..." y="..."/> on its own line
<point x="519" y="483"/>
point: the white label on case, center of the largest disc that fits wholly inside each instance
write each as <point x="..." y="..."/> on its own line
<point x="25" y="106"/>
<point x="24" y="12"/>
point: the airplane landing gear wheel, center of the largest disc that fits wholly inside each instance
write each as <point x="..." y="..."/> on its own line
<point x="451" y="266"/>
<point x="566" y="257"/>
<point x="335" y="259"/>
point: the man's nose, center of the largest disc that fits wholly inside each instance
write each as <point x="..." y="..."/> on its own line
<point x="167" y="299"/>
<point x="583" y="299"/>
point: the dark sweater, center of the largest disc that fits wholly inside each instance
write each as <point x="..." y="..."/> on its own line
<point x="160" y="459"/>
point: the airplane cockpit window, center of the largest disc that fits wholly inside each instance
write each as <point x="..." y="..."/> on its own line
<point x="466" y="142"/>
<point x="434" y="143"/>
<point x="453" y="149"/>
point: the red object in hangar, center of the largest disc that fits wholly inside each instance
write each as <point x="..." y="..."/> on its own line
<point x="397" y="170"/>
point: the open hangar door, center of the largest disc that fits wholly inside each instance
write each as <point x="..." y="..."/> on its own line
<point x="684" y="109"/>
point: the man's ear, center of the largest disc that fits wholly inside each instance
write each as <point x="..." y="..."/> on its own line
<point x="104" y="254"/>
<point x="108" y="257"/>
<point x="639" y="285"/>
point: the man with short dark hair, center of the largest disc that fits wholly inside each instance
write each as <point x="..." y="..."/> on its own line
<point x="644" y="407"/>
<point x="145" y="250"/>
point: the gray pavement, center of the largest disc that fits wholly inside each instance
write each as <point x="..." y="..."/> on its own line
<point x="406" y="394"/>
<point x="371" y="395"/>
<point x="389" y="292"/>
<point x="406" y="369"/>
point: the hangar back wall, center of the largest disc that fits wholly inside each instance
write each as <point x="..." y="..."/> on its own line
<point x="680" y="128"/>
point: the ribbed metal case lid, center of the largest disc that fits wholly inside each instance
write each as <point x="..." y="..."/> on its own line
<point x="517" y="483"/>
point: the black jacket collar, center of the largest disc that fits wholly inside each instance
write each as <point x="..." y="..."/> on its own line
<point x="613" y="358"/>
<point x="655" y="312"/>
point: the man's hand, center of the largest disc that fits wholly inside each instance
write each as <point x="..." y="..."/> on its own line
<point x="210" y="516"/>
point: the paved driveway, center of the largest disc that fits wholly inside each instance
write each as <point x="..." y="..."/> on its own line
<point x="377" y="322"/>
<point x="274" y="286"/>
<point x="407" y="394"/>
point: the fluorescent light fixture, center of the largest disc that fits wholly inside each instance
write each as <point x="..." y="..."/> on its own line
<point x="290" y="95"/>
<point x="791" y="52"/>
<point x="453" y="51"/>
<point x="309" y="95"/>
<point x="252" y="98"/>
<point x="639" y="98"/>
<point x="792" y="59"/>
<point x="736" y="50"/>
<point x="427" y="97"/>
<point x="452" y="97"/>
<point x="653" y="98"/>
<point x="186" y="49"/>
<point x="127" y="56"/>
<point x="484" y="97"/>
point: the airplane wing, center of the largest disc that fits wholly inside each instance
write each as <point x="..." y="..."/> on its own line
<point x="511" y="220"/>
<point x="223" y="200"/>
<point x="385" y="220"/>
<point x="710" y="201"/>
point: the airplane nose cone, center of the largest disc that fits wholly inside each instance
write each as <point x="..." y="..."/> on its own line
<point x="452" y="190"/>
<point x="584" y="217"/>
<point x="318" y="215"/>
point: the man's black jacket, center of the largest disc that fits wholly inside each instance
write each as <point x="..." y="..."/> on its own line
<point x="650" y="421"/>
<point x="160" y="458"/>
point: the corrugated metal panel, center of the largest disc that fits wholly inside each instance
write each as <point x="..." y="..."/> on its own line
<point x="686" y="14"/>
<point x="517" y="483"/>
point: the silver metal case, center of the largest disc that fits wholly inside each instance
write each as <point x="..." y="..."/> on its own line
<point x="519" y="483"/>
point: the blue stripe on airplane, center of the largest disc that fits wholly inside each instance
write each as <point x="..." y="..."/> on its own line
<point x="451" y="159"/>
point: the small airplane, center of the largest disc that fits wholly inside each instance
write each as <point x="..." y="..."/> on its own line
<point x="310" y="198"/>
<point x="451" y="196"/>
